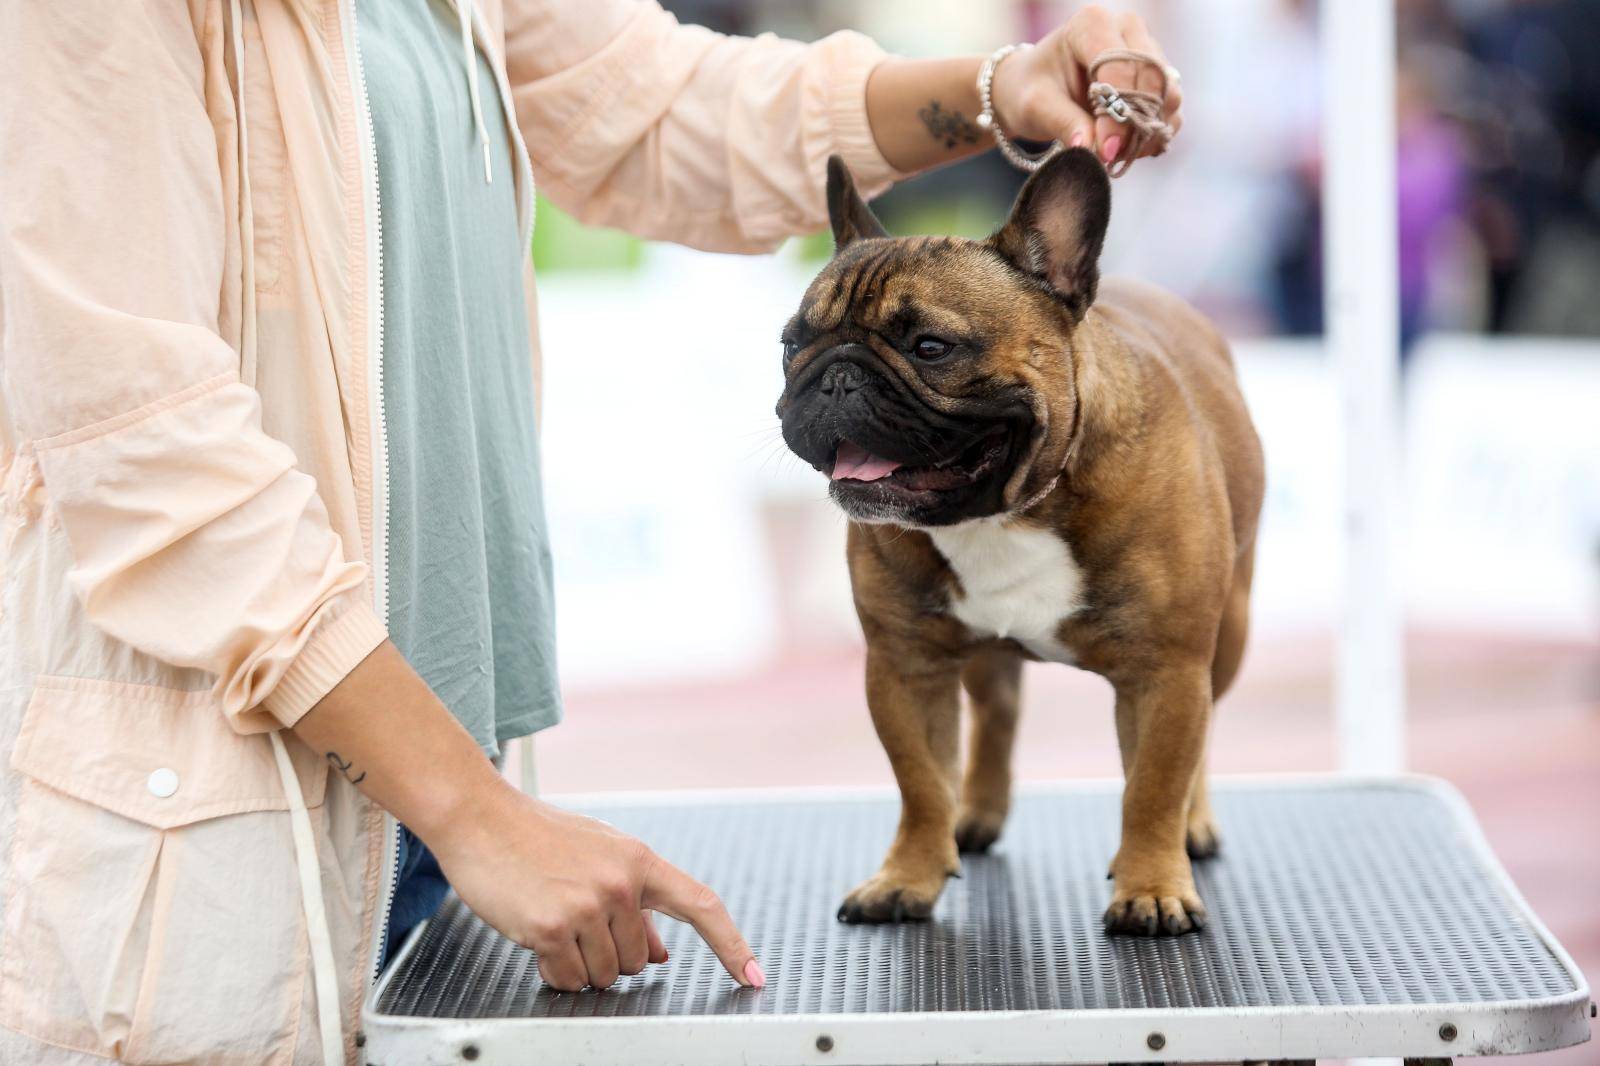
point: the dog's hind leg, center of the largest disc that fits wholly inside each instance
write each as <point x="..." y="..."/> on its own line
<point x="993" y="680"/>
<point x="1203" y="839"/>
<point x="1235" y="626"/>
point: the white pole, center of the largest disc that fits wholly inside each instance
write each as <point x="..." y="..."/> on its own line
<point x="1361" y="297"/>
<point x="519" y="766"/>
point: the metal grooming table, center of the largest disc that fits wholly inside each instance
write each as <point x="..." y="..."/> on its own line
<point x="1348" y="918"/>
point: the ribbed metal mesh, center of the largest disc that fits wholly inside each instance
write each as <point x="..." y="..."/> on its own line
<point x="1354" y="895"/>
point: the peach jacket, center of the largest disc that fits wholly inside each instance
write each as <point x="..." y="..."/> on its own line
<point x="192" y="499"/>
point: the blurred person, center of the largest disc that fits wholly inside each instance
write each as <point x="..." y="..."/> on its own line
<point x="1429" y="179"/>
<point x="1500" y="126"/>
<point x="1429" y="175"/>
<point x="1533" y="110"/>
<point x="271" y="469"/>
<point x="1294" y="207"/>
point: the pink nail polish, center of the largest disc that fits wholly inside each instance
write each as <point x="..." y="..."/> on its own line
<point x="1078" y="139"/>
<point x="1110" y="149"/>
<point x="754" y="975"/>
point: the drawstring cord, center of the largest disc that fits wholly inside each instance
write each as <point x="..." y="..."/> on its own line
<point x="305" y="853"/>
<point x="247" y="223"/>
<point x="470" y="54"/>
<point x="324" y="970"/>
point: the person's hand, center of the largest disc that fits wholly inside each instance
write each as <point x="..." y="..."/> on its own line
<point x="577" y="891"/>
<point x="1042" y="94"/>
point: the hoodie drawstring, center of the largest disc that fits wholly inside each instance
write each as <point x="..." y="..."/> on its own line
<point x="324" y="970"/>
<point x="470" y="54"/>
<point x="247" y="218"/>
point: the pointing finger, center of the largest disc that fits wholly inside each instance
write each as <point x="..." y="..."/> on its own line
<point x="671" y="891"/>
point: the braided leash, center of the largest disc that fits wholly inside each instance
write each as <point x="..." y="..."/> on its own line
<point x="1137" y="109"/>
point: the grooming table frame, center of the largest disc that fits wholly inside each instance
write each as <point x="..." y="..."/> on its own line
<point x="1349" y="917"/>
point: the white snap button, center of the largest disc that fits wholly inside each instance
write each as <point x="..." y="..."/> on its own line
<point x="162" y="782"/>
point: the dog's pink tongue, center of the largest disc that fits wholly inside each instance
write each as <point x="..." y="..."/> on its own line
<point x="858" y="464"/>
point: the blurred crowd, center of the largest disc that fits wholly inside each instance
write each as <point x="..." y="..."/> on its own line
<point x="1507" y="97"/>
<point x="1498" y="111"/>
<point x="1498" y="115"/>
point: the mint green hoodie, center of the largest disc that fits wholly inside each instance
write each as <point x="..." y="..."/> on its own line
<point x="470" y="599"/>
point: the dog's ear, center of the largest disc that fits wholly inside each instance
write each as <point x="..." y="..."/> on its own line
<point x="1058" y="225"/>
<point x="851" y="217"/>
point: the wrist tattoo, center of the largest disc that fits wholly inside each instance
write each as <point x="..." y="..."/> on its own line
<point x="344" y="766"/>
<point x="951" y="127"/>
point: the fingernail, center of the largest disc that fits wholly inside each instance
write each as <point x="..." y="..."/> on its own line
<point x="753" y="975"/>
<point x="1110" y="149"/>
<point x="1078" y="139"/>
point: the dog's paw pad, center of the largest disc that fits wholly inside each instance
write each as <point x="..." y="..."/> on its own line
<point x="1151" y="915"/>
<point x="976" y="831"/>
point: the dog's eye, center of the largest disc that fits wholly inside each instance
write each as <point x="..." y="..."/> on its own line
<point x="931" y="348"/>
<point x="790" y="350"/>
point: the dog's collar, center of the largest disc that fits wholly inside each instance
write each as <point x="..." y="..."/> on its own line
<point x="1040" y="496"/>
<point x="1073" y="438"/>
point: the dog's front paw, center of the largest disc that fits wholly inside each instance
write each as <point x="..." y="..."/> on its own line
<point x="1152" y="915"/>
<point x="978" y="829"/>
<point x="1155" y="902"/>
<point x="885" y="897"/>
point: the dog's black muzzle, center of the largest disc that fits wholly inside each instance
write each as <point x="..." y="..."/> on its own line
<point x="849" y="393"/>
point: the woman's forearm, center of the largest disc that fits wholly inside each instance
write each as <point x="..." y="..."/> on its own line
<point x="387" y="733"/>
<point x="924" y="112"/>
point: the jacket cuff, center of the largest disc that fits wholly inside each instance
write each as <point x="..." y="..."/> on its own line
<point x="336" y="648"/>
<point x="857" y="57"/>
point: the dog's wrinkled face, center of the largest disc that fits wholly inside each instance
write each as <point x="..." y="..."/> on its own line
<point x="932" y="378"/>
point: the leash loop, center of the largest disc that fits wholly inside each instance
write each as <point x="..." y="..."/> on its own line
<point x="1139" y="110"/>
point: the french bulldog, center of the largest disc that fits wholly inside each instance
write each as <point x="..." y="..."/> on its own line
<point x="1035" y="466"/>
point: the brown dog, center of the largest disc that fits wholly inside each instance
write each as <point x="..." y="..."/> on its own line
<point x="1035" y="467"/>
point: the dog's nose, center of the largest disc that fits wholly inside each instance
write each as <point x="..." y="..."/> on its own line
<point x="841" y="379"/>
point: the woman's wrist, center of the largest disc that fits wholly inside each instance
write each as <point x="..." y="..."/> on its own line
<point x="1014" y="110"/>
<point x="463" y="818"/>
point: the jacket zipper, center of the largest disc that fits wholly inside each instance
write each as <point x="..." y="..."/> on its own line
<point x="380" y="464"/>
<point x="380" y="440"/>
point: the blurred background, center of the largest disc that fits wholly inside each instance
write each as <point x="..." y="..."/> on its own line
<point x="706" y="631"/>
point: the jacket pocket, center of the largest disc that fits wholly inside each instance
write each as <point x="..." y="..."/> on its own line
<point x="152" y="911"/>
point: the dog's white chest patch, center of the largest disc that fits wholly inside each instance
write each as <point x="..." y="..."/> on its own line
<point x="1016" y="581"/>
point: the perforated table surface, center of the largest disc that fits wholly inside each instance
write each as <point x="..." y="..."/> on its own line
<point x="1348" y="918"/>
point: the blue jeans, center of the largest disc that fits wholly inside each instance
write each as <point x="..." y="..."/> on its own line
<point x="419" y="888"/>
